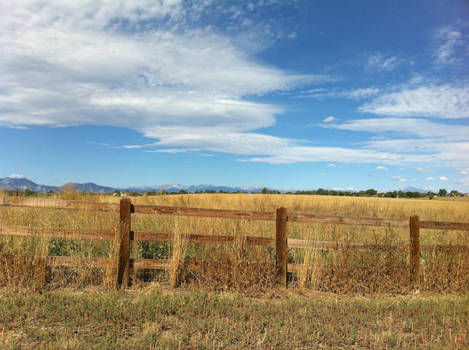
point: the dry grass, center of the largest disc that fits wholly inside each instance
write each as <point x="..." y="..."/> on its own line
<point x="241" y="267"/>
<point x="154" y="318"/>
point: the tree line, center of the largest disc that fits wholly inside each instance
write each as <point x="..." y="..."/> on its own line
<point x="320" y="191"/>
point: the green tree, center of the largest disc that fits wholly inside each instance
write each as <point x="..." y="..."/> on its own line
<point x="28" y="192"/>
<point x="442" y="193"/>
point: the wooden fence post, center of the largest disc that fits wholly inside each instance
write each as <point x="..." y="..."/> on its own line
<point x="414" y="261"/>
<point x="123" y="242"/>
<point x="281" y="246"/>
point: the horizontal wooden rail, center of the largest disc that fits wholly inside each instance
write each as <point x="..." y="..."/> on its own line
<point x="445" y="225"/>
<point x="300" y="243"/>
<point x="48" y="203"/>
<point x="56" y="232"/>
<point x="155" y="264"/>
<point x="292" y="243"/>
<point x="345" y="220"/>
<point x="209" y="213"/>
<point x="57" y="204"/>
<point x="197" y="238"/>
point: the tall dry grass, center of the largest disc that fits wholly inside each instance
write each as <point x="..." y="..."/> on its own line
<point x="239" y="266"/>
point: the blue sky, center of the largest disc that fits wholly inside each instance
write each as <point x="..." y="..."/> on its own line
<point x="286" y="94"/>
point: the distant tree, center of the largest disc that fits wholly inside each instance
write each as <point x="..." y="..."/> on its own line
<point x="371" y="192"/>
<point x="455" y="193"/>
<point x="390" y="194"/>
<point x="265" y="191"/>
<point x="116" y="193"/>
<point x="322" y="192"/>
<point x="430" y="195"/>
<point x="442" y="193"/>
<point x="28" y="193"/>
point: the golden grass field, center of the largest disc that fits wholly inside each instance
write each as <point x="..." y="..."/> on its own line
<point x="341" y="299"/>
<point x="339" y="271"/>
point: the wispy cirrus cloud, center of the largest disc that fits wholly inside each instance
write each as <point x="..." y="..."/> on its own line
<point x="436" y="101"/>
<point x="383" y="63"/>
<point x="445" y="144"/>
<point x="448" y="39"/>
<point x="353" y="94"/>
<point x="405" y="126"/>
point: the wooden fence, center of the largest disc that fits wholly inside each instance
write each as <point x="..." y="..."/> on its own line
<point x="124" y="236"/>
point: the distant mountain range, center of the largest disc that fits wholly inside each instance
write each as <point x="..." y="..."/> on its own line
<point x="21" y="183"/>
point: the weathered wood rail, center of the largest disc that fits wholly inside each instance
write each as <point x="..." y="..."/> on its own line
<point x="124" y="235"/>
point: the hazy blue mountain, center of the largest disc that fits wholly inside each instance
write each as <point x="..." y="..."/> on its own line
<point x="414" y="189"/>
<point x="193" y="188"/>
<point x="22" y="183"/>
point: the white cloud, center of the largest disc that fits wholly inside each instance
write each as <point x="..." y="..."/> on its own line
<point x="464" y="171"/>
<point x="429" y="178"/>
<point x="443" y="178"/>
<point x="357" y="94"/>
<point x="382" y="168"/>
<point x="442" y="101"/>
<point x="168" y="150"/>
<point x="331" y="165"/>
<point x="339" y="154"/>
<point x="329" y="119"/>
<point x="98" y="143"/>
<point x="448" y="40"/>
<point x="140" y="65"/>
<point x="115" y="73"/>
<point x="409" y="126"/>
<point x="380" y="62"/>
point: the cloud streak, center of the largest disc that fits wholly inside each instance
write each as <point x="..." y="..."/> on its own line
<point x="443" y="101"/>
<point x="448" y="39"/>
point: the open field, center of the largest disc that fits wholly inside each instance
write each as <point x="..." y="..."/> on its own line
<point x="154" y="319"/>
<point x="378" y="270"/>
<point x="341" y="298"/>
